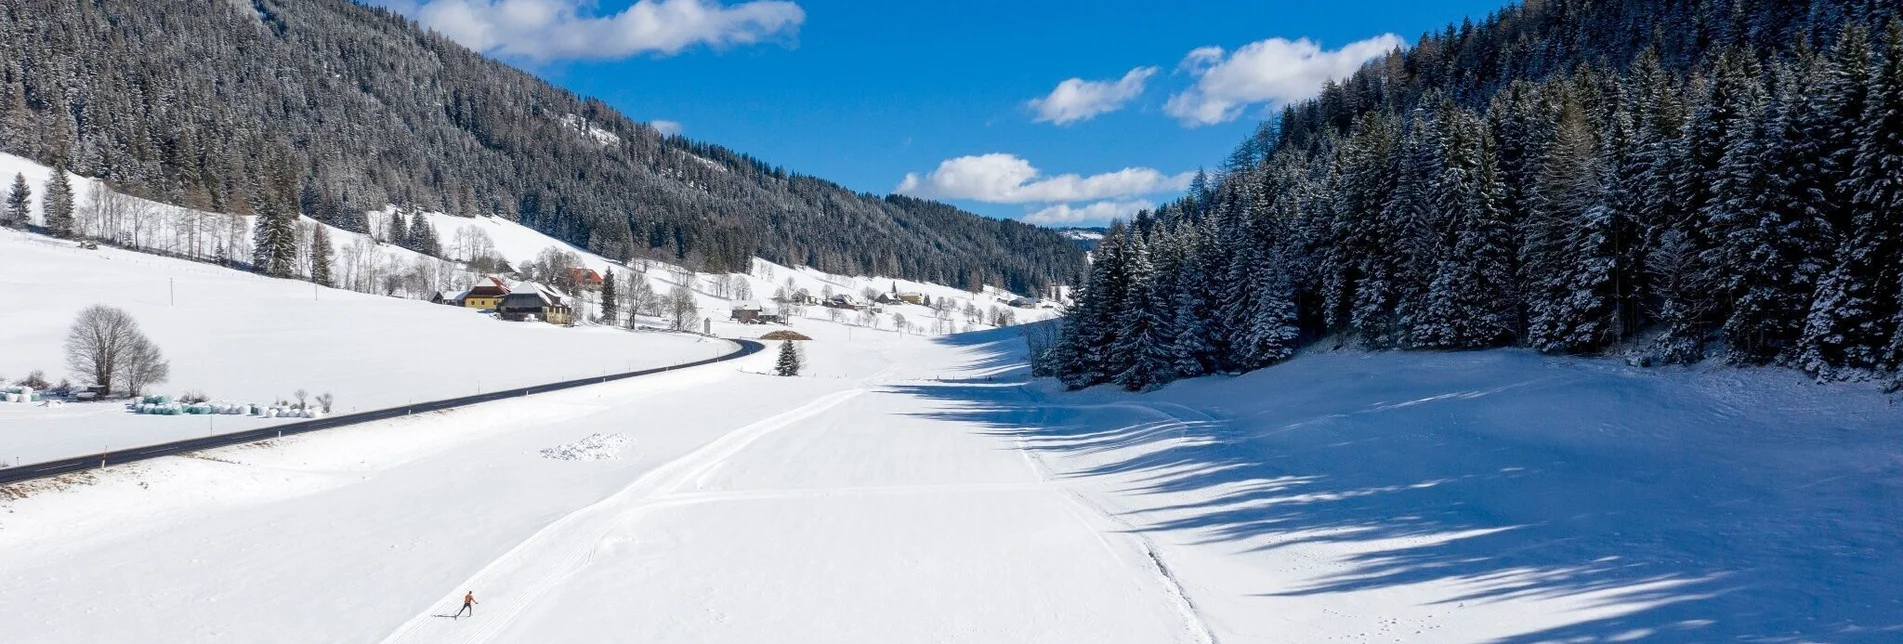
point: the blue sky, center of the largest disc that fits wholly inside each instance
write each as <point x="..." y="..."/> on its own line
<point x="967" y="98"/>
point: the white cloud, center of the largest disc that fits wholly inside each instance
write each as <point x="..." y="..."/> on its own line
<point x="1077" y="99"/>
<point x="1102" y="211"/>
<point x="545" y="30"/>
<point x="666" y="128"/>
<point x="1274" y="71"/>
<point x="1005" y="178"/>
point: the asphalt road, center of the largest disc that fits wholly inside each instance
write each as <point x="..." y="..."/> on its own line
<point x="31" y="471"/>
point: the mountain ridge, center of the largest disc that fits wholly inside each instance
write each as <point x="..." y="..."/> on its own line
<point x="342" y="108"/>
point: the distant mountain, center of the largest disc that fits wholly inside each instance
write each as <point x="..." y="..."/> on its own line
<point x="1086" y="238"/>
<point x="336" y="108"/>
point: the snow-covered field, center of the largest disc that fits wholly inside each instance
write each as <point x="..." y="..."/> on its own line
<point x="916" y="489"/>
<point x="245" y="338"/>
<point x="242" y="338"/>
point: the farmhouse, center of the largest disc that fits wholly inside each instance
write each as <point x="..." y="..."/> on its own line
<point x="750" y="313"/>
<point x="486" y="294"/>
<point x="585" y="278"/>
<point x="540" y="303"/>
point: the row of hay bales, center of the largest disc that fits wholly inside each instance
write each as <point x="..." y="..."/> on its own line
<point x="19" y="394"/>
<point x="165" y="406"/>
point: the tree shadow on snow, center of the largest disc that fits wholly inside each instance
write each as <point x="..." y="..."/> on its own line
<point x="1507" y="476"/>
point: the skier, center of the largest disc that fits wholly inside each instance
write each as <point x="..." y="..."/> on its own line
<point x="469" y="604"/>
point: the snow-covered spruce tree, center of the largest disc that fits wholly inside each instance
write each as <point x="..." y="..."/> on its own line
<point x="1368" y="185"/>
<point x="1192" y="352"/>
<point x="610" y="298"/>
<point x="19" y="197"/>
<point x="1083" y="356"/>
<point x="789" y="363"/>
<point x="1852" y="325"/>
<point x="1567" y="257"/>
<point x="56" y="203"/>
<point x="397" y="231"/>
<point x="1743" y="264"/>
<point x="320" y="255"/>
<point x="1768" y="226"/>
<point x="1143" y="327"/>
<point x="1523" y="119"/>
<point x="1415" y="219"/>
<point x="1687" y="261"/>
<point x="1271" y="333"/>
<point x="423" y="237"/>
<point x="273" y="234"/>
<point x="1470" y="302"/>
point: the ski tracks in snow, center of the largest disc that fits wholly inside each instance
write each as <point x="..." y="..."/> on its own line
<point x="513" y="582"/>
<point x="1095" y="517"/>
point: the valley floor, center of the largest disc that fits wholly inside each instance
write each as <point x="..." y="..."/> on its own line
<point x="912" y="489"/>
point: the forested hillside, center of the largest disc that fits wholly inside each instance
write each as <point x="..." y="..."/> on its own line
<point x="335" y="108"/>
<point x="1671" y="180"/>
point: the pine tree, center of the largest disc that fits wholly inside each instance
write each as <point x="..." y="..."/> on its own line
<point x="1852" y="324"/>
<point x="1271" y="332"/>
<point x="1184" y="299"/>
<point x="18" y="199"/>
<point x="1770" y="224"/>
<point x="1143" y="340"/>
<point x="399" y="228"/>
<point x="1470" y="302"/>
<point x="610" y="303"/>
<point x="320" y="255"/>
<point x="1082" y="356"/>
<point x="421" y="236"/>
<point x="789" y="363"/>
<point x="1567" y="257"/>
<point x="273" y="235"/>
<point x="56" y="206"/>
<point x="1369" y="187"/>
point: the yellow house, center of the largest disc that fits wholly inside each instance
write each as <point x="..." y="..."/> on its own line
<point x="485" y="295"/>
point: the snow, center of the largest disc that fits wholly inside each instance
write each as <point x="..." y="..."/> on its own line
<point x="245" y="338"/>
<point x="594" y="447"/>
<point x="598" y="135"/>
<point x="917" y="489"/>
<point x="241" y="338"/>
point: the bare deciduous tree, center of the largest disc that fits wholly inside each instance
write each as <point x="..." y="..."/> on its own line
<point x="682" y="310"/>
<point x="143" y="365"/>
<point x="105" y="347"/>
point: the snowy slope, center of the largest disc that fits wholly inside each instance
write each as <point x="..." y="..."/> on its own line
<point x="246" y="338"/>
<point x="361" y="263"/>
<point x="1501" y="496"/>
<point x="914" y="489"/>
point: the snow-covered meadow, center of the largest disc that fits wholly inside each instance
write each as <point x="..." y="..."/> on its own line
<point x="244" y="338"/>
<point x="917" y="489"/>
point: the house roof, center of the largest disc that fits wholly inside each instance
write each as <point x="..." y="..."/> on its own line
<point x="526" y="300"/>
<point x="488" y="287"/>
<point x="584" y="274"/>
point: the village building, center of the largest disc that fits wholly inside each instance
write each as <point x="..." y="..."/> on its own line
<point x="486" y="294"/>
<point x="750" y="313"/>
<point x="585" y="278"/>
<point x="842" y="301"/>
<point x="539" y="303"/>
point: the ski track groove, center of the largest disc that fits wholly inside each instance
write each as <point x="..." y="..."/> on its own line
<point x="573" y="538"/>
<point x="1179" y="598"/>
